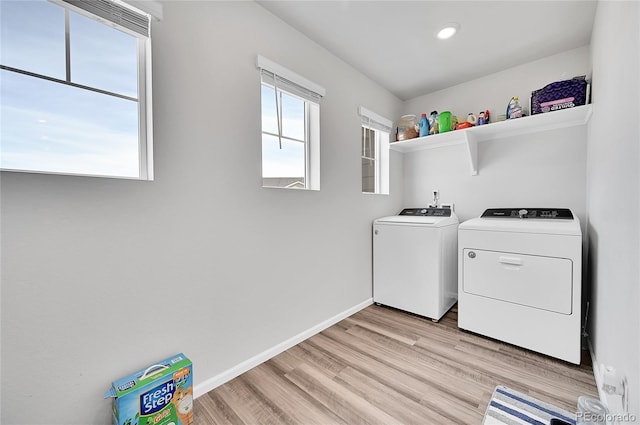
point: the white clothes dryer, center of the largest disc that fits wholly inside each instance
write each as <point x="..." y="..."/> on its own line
<point x="520" y="279"/>
<point x="415" y="261"/>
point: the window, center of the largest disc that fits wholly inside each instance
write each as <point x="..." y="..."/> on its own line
<point x="375" y="152"/>
<point x="75" y="88"/>
<point x="290" y="128"/>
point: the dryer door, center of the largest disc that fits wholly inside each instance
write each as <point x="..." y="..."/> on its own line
<point x="530" y="280"/>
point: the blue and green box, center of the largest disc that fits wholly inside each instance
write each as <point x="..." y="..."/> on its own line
<point x="161" y="394"/>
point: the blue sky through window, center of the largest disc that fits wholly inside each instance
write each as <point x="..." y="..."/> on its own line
<point x="290" y="161"/>
<point x="54" y="127"/>
<point x="103" y="57"/>
<point x="33" y="37"/>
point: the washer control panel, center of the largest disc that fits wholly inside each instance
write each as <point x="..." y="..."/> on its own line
<point x="539" y="213"/>
<point x="427" y="212"/>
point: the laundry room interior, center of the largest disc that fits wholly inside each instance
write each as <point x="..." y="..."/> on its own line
<point x="105" y="276"/>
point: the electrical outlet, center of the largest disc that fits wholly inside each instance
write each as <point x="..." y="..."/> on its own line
<point x="614" y="383"/>
<point x="447" y="205"/>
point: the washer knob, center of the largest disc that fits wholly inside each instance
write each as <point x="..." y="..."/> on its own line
<point x="523" y="213"/>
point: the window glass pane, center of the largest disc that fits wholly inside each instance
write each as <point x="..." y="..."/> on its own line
<point x="53" y="127"/>
<point x="368" y="143"/>
<point x="103" y="57"/>
<point x="269" y="120"/>
<point x="33" y="37"/>
<point x="282" y="167"/>
<point x="368" y="175"/>
<point x="292" y="117"/>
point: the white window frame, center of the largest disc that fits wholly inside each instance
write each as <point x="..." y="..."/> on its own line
<point x="375" y="136"/>
<point x="287" y="81"/>
<point x="382" y="129"/>
<point x="153" y="9"/>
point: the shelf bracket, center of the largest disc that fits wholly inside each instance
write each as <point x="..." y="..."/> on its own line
<point x="472" y="150"/>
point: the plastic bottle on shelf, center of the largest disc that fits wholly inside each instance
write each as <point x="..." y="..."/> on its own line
<point x="514" y="110"/>
<point x="424" y="126"/>
<point x="444" y="122"/>
<point x="433" y="122"/>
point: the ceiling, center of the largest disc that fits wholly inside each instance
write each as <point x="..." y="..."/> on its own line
<point x="394" y="43"/>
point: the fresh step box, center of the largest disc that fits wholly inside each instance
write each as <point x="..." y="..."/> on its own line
<point x="161" y="394"/>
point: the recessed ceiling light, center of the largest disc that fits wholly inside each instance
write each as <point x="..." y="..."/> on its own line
<point x="447" y="31"/>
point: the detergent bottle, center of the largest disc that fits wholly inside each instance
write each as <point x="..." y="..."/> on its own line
<point x="424" y="126"/>
<point x="514" y="110"/>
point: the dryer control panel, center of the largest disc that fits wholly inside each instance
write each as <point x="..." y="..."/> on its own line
<point x="427" y="212"/>
<point x="539" y="213"/>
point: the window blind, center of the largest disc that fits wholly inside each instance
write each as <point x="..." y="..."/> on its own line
<point x="282" y="83"/>
<point x="372" y="120"/>
<point x="284" y="80"/>
<point x="278" y="76"/>
<point x="115" y="13"/>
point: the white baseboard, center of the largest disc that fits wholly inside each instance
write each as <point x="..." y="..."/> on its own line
<point x="229" y="374"/>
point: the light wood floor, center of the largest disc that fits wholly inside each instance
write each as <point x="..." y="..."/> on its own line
<point x="383" y="366"/>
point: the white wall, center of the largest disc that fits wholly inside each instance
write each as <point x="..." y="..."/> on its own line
<point x="613" y="194"/>
<point x="101" y="277"/>
<point x="542" y="169"/>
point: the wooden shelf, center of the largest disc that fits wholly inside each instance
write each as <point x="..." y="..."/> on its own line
<point x="471" y="136"/>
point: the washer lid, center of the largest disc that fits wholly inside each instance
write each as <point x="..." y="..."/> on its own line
<point x="527" y="225"/>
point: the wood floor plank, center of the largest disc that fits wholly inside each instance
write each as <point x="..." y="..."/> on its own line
<point x="406" y="359"/>
<point x="400" y="380"/>
<point x="286" y="361"/>
<point x="549" y="370"/>
<point x="417" y="325"/>
<point x="338" y="398"/>
<point x="396" y="333"/>
<point x="213" y="409"/>
<point x="487" y="367"/>
<point x="453" y="389"/>
<point x="403" y="409"/>
<point x="384" y="366"/>
<point x="311" y="355"/>
<point x="298" y="404"/>
<point x="250" y="405"/>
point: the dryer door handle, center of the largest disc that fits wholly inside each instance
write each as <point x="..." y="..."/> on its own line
<point x="513" y="261"/>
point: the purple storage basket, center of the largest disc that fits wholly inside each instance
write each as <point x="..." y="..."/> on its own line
<point x="559" y="95"/>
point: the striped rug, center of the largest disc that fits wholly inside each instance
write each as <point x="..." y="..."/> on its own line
<point x="511" y="407"/>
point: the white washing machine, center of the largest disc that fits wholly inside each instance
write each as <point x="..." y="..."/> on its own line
<point x="520" y="279"/>
<point x="415" y="261"/>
